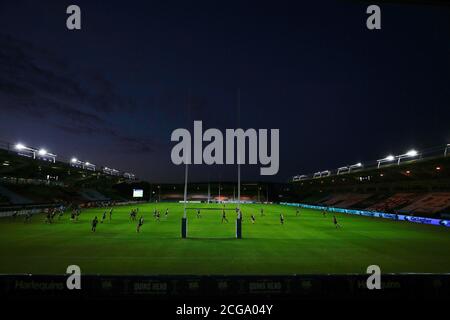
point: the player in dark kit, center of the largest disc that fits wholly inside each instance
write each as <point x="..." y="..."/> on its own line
<point x="54" y="213"/>
<point x="110" y="214"/>
<point x="140" y="223"/>
<point x="224" y="216"/>
<point x="167" y="213"/>
<point x="133" y="214"/>
<point x="262" y="212"/>
<point x="198" y="214"/>
<point x="336" y="224"/>
<point x="28" y="216"/>
<point x="49" y="217"/>
<point x="281" y="218"/>
<point x="104" y="216"/>
<point x="297" y="213"/>
<point x="94" y="224"/>
<point x="253" y="219"/>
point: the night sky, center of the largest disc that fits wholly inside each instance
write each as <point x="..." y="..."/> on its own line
<point x="113" y="92"/>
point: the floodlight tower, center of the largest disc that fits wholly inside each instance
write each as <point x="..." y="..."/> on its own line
<point x="325" y="173"/>
<point x="300" y="177"/>
<point x="34" y="153"/>
<point x="389" y="158"/>
<point x="129" y="176"/>
<point x="26" y="151"/>
<point x="83" y="165"/>
<point x="348" y="169"/>
<point x="410" y="154"/>
<point x="354" y="166"/>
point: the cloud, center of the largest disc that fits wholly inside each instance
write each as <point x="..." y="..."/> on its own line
<point x="36" y="83"/>
<point x="122" y="142"/>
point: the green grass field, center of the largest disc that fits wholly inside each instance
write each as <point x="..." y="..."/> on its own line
<point x="308" y="244"/>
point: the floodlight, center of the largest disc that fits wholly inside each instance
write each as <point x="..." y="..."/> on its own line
<point x="412" y="153"/>
<point x="42" y="152"/>
<point x="87" y="163"/>
<point x="357" y="165"/>
<point x="20" y="146"/>
<point x="387" y="159"/>
<point x="74" y="160"/>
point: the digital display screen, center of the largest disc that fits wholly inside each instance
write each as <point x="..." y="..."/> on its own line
<point x="138" y="193"/>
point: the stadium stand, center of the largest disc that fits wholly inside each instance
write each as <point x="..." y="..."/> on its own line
<point x="345" y="200"/>
<point x="419" y="187"/>
<point x="93" y="195"/>
<point x="11" y="197"/>
<point x="394" y="202"/>
<point x="30" y="182"/>
<point x="4" y="201"/>
<point x="429" y="203"/>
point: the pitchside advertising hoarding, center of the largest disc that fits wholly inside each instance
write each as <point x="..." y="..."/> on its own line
<point x="138" y="193"/>
<point x="399" y="217"/>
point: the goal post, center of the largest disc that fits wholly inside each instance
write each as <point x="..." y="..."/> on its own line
<point x="184" y="218"/>
<point x="205" y="211"/>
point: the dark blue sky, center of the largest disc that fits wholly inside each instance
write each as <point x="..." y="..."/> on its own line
<point x="113" y="92"/>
